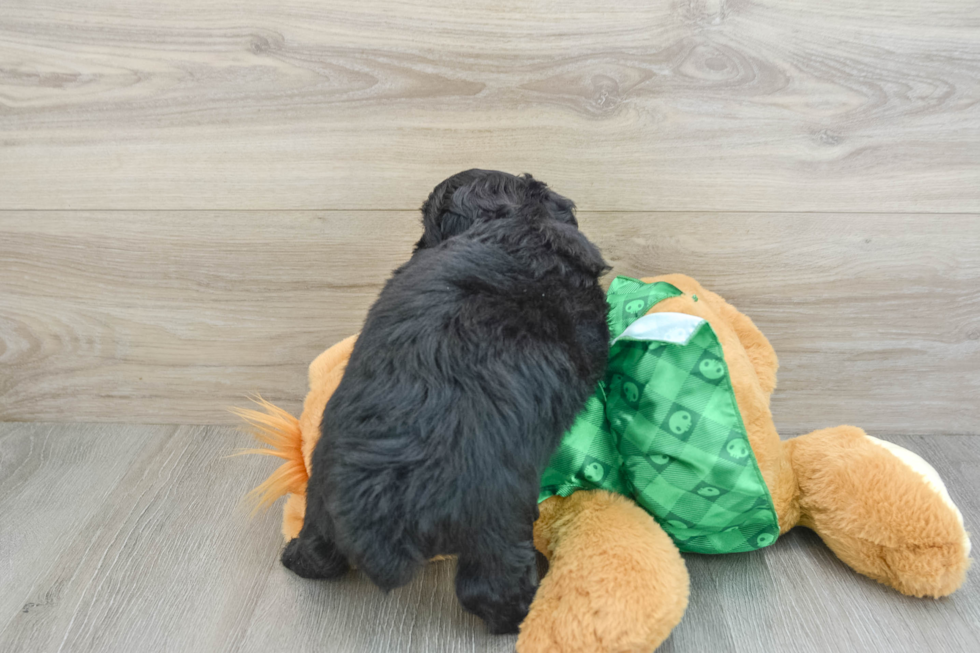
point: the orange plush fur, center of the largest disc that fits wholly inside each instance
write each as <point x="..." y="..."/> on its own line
<point x="616" y="581"/>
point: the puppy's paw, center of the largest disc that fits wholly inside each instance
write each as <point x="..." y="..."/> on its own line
<point x="500" y="601"/>
<point x="314" y="560"/>
<point x="505" y="615"/>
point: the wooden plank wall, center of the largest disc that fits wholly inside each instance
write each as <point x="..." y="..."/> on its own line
<point x="196" y="198"/>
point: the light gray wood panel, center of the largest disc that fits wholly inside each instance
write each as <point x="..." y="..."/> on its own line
<point x="51" y="485"/>
<point x="658" y="105"/>
<point x="351" y="615"/>
<point x="170" y="561"/>
<point x="172" y="316"/>
<point x="166" y="561"/>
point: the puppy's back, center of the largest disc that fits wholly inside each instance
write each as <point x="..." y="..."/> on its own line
<point x="471" y="365"/>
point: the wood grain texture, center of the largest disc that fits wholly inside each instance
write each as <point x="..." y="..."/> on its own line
<point x="168" y="559"/>
<point x="353" y="615"/>
<point x="134" y="543"/>
<point x="50" y="487"/>
<point x="719" y="105"/>
<point x="171" y="316"/>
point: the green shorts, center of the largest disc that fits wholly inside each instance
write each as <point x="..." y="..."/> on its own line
<point x="664" y="429"/>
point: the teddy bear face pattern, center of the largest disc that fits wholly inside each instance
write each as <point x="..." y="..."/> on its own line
<point x="665" y="420"/>
<point x="680" y="422"/>
<point x="594" y="472"/>
<point x="634" y="307"/>
<point x="631" y="391"/>
<point x="637" y="298"/>
<point x="711" y="368"/>
<point x="738" y="449"/>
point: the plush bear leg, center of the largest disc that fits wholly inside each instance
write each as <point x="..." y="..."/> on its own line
<point x="616" y="582"/>
<point x="292" y="516"/>
<point x="881" y="509"/>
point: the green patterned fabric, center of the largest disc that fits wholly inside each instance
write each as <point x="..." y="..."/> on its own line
<point x="664" y="429"/>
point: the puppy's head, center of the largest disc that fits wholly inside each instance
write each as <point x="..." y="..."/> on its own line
<point x="474" y="196"/>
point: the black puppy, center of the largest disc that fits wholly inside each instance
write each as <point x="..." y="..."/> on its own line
<point x="475" y="359"/>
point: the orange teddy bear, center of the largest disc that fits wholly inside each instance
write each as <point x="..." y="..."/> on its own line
<point x="616" y="580"/>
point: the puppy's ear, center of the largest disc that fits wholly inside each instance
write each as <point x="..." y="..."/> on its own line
<point x="560" y="228"/>
<point x="432" y="214"/>
<point x="555" y="206"/>
<point x="437" y="227"/>
<point x="572" y="245"/>
<point x="439" y="221"/>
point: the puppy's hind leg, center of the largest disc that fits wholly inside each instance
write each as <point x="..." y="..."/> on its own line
<point x="313" y="554"/>
<point x="498" y="584"/>
<point x="314" y="558"/>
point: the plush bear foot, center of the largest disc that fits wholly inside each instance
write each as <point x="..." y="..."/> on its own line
<point x="616" y="582"/>
<point x="882" y="509"/>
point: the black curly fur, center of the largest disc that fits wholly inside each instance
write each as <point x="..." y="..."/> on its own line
<point x="472" y="363"/>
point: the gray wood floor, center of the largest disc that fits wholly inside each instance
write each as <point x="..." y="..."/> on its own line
<point x="132" y="538"/>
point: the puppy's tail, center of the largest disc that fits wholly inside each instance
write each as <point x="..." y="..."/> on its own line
<point x="280" y="431"/>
